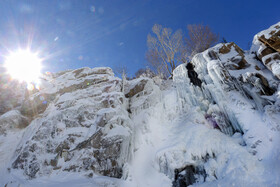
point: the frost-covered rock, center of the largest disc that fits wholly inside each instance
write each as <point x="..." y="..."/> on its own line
<point x="12" y="119"/>
<point x="142" y="92"/>
<point x="231" y="55"/>
<point x="136" y="87"/>
<point x="216" y="123"/>
<point x="236" y="95"/>
<point x="266" y="45"/>
<point x="83" y="128"/>
<point x="223" y="81"/>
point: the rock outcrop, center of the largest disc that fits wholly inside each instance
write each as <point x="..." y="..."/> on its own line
<point x="83" y="126"/>
<point x="266" y="45"/>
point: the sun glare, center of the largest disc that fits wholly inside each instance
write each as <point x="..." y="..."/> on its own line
<point x="24" y="66"/>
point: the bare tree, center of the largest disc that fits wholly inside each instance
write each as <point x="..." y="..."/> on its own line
<point x="121" y="70"/>
<point x="156" y="64"/>
<point x="165" y="49"/>
<point x="199" y="39"/>
<point x="144" y="72"/>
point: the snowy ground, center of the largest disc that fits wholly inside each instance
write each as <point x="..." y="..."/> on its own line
<point x="8" y="144"/>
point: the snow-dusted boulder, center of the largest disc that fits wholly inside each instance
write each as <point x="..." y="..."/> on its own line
<point x="266" y="45"/>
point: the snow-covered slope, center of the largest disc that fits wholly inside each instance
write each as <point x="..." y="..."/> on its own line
<point x="217" y="123"/>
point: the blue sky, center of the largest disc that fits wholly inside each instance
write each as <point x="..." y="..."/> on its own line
<point x="94" y="33"/>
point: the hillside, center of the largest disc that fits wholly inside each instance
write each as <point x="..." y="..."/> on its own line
<point x="217" y="123"/>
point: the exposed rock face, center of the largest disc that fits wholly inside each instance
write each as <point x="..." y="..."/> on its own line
<point x="237" y="59"/>
<point x="137" y="88"/>
<point x="84" y="126"/>
<point x="142" y="93"/>
<point x="188" y="175"/>
<point x="266" y="45"/>
<point x="80" y="122"/>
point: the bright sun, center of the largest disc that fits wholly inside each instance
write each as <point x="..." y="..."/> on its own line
<point x="24" y="66"/>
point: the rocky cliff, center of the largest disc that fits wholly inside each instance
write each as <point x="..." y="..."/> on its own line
<point x="215" y="123"/>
